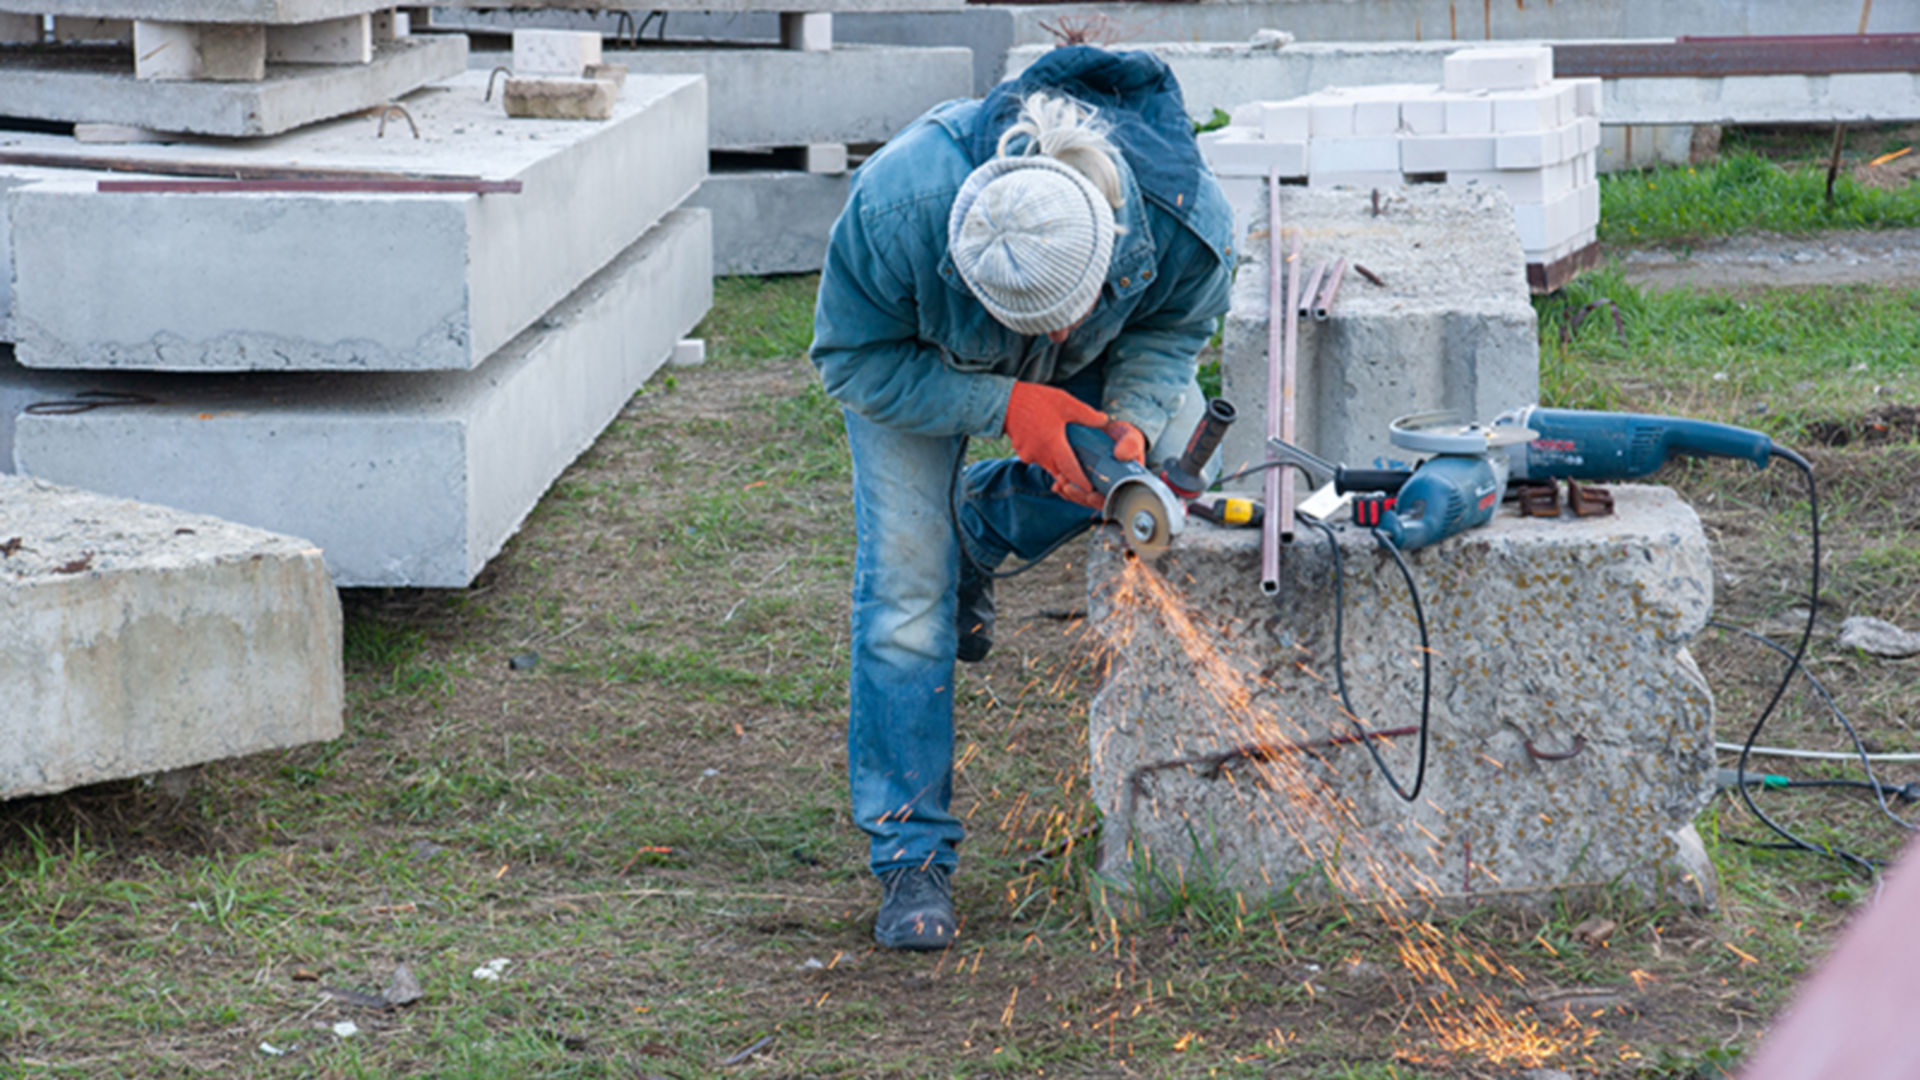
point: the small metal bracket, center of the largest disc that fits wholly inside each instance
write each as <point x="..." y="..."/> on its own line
<point x="1537" y="754"/>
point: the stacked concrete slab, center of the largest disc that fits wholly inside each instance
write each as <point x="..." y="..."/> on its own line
<point x="395" y="376"/>
<point x="254" y="67"/>
<point x="789" y="114"/>
<point x="1498" y="120"/>
<point x="136" y="639"/>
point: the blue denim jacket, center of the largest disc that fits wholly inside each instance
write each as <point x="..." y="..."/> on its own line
<point x="899" y="339"/>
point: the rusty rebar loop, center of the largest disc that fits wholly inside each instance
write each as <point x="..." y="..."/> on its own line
<point x="392" y="107"/>
<point x="1573" y="322"/>
<point x="625" y="18"/>
<point x="1537" y="754"/>
<point x="491" y="75"/>
<point x="87" y="401"/>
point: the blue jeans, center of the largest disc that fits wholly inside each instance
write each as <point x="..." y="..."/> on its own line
<point x="906" y="568"/>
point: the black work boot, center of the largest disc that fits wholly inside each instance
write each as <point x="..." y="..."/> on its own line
<point x="916" y="911"/>
<point x="973" y="613"/>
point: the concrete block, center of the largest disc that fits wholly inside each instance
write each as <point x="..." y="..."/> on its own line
<point x="1586" y="99"/>
<point x="1549" y="637"/>
<point x="1520" y="67"/>
<point x="771" y="221"/>
<point x="1636" y="146"/>
<point x="1376" y="116"/>
<point x="1360" y="180"/>
<point x="1469" y="116"/>
<point x="1285" y="121"/>
<point x="346" y="40"/>
<point x="77" y="30"/>
<point x="810" y="31"/>
<point x="391" y="25"/>
<point x="1446" y="153"/>
<point x="118" y="134"/>
<point x="1453" y="328"/>
<point x="1525" y="110"/>
<point x="271" y="12"/>
<point x="1374" y="154"/>
<point x="827" y="158"/>
<point x="1588" y="131"/>
<point x="558" y="98"/>
<point x="1330" y="116"/>
<point x="1537" y="149"/>
<point x="1523" y="185"/>
<point x="1424" y="115"/>
<point x="1589" y="206"/>
<point x="403" y="479"/>
<point x="723" y="6"/>
<point x="209" y="51"/>
<point x="353" y="282"/>
<point x="689" y="352"/>
<point x="86" y="86"/>
<point x="1238" y="154"/>
<point x="554" y="52"/>
<point x="1546" y="225"/>
<point x="21" y="29"/>
<point x="761" y="98"/>
<point x="136" y="639"/>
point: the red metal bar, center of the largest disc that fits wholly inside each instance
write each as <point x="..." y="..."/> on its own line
<point x="311" y="187"/>
<point x="1711" y="57"/>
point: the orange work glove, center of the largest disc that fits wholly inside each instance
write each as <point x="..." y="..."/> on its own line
<point x="1037" y="419"/>
<point x="1128" y="445"/>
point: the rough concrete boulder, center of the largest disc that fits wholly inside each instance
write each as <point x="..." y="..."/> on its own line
<point x="1452" y="328"/>
<point x="136" y="639"/>
<point x="1571" y="733"/>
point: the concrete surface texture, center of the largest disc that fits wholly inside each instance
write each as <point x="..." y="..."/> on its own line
<point x="201" y="11"/>
<point x="1452" y="328"/>
<point x="642" y="7"/>
<point x="771" y="221"/>
<point x="360" y="282"/>
<point x="777" y="97"/>
<point x="404" y="479"/>
<point x="136" y="639"/>
<point x="1571" y="732"/>
<point x="94" y="86"/>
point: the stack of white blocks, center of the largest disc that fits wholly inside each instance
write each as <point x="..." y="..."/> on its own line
<point x="1500" y="119"/>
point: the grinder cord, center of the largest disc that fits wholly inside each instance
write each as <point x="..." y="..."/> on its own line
<point x="1339" y="665"/>
<point x="960" y="535"/>
<point x="1870" y="866"/>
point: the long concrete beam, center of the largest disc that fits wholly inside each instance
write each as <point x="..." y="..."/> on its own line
<point x="272" y="12"/>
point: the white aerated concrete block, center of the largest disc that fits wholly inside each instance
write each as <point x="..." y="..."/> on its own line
<point x="689" y="352"/>
<point x="1376" y="116"/>
<point x="352" y="282"/>
<point x="1572" y="730"/>
<point x="1446" y="153"/>
<point x="1332" y="117"/>
<point x="1425" y="115"/>
<point x="1544" y="226"/>
<point x="554" y="52"/>
<point x="1519" y="67"/>
<point x="1468" y="115"/>
<point x="1537" y="149"/>
<point x="136" y="639"/>
<point x="1355" y="155"/>
<point x="1231" y="152"/>
<point x="406" y="478"/>
<point x="1523" y="185"/>
<point x="1361" y="180"/>
<point x="828" y="159"/>
<point x="1285" y="121"/>
<point x="1587" y="96"/>
<point x="1525" y="110"/>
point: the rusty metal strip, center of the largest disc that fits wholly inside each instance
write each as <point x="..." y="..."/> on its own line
<point x="210" y="169"/>
<point x="1713" y="57"/>
<point x="1588" y="500"/>
<point x="311" y="187"/>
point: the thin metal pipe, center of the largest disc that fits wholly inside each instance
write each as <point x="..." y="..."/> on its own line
<point x="1276" y="268"/>
<point x="1311" y="291"/>
<point x="1289" y="368"/>
<point x="310" y="187"/>
<point x="1323" y="304"/>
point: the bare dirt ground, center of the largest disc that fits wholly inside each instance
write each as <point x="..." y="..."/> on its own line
<point x="1887" y="257"/>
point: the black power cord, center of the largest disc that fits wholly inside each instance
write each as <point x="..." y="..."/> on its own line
<point x="1869" y="866"/>
<point x="960" y="535"/>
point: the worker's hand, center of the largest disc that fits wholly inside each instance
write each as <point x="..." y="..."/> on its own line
<point x="1128" y="443"/>
<point x="1037" y="419"/>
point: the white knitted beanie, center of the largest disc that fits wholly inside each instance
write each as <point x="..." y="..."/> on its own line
<point x="1032" y="238"/>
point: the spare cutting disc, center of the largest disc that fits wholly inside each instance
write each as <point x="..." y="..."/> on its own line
<point x="1142" y="517"/>
<point x="1447" y="433"/>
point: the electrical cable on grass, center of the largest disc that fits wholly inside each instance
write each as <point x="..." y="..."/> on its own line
<point x="1791" y="841"/>
<point x="1339" y="663"/>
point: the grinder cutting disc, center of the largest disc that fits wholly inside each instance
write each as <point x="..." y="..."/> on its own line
<point x="1142" y="517"/>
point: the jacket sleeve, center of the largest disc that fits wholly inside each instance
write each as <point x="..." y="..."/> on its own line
<point x="1151" y="364"/>
<point x="866" y="344"/>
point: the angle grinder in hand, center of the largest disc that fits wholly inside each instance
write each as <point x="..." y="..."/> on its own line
<point x="1149" y="514"/>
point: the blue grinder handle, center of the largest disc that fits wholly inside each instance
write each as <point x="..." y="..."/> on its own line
<point x="1580" y="445"/>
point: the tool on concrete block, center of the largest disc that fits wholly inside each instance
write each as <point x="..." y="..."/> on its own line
<point x="1149" y="514"/>
<point x="1574" y="444"/>
<point x="1229" y="511"/>
<point x="1456" y="489"/>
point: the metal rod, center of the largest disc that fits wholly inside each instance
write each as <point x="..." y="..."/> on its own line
<point x="1289" y="368"/>
<point x="1311" y="290"/>
<point x="210" y="169"/>
<point x="1276" y="267"/>
<point x="309" y="187"/>
<point x="1323" y="304"/>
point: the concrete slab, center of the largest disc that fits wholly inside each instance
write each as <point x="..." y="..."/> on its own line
<point x="1453" y="328"/>
<point x="361" y="282"/>
<point x="74" y="84"/>
<point x="136" y="639"/>
<point x="642" y="7"/>
<point x="1571" y="732"/>
<point x="771" y="221"/>
<point x="201" y="11"/>
<point x="760" y="97"/>
<point x="404" y="479"/>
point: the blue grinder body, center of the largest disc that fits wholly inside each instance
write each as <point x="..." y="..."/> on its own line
<point x="1445" y="496"/>
<point x="1574" y="444"/>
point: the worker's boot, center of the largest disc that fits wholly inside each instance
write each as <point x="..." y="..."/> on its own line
<point x="916" y="911"/>
<point x="973" y="613"/>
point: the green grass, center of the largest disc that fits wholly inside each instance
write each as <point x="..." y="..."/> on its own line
<point x="1740" y="193"/>
<point x="1774" y="359"/>
<point x="755" y="319"/>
